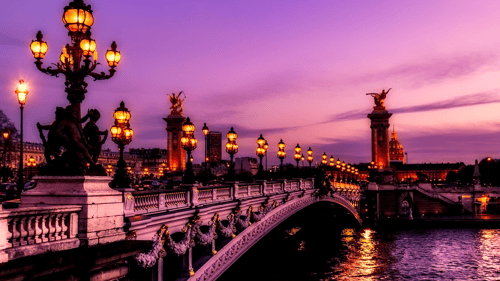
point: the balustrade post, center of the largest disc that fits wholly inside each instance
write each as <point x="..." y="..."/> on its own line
<point x="214" y="194"/>
<point x="3" y="236"/>
<point x="262" y="187"/>
<point x="283" y="183"/>
<point x="31" y="230"/>
<point x="194" y="195"/>
<point x="162" y="200"/>
<point x="235" y="190"/>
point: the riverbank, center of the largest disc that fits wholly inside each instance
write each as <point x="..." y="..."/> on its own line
<point x="479" y="221"/>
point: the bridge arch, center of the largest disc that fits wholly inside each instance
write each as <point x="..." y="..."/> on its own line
<point x="232" y="251"/>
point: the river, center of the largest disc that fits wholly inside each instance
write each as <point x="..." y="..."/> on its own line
<point x="320" y="243"/>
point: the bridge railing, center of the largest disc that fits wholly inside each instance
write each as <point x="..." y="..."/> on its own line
<point x="157" y="201"/>
<point x="55" y="227"/>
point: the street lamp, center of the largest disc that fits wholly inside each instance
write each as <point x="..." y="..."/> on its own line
<point x="297" y="155"/>
<point x="109" y="169"/>
<point x="189" y="143"/>
<point x="323" y="159"/>
<point x="78" y="60"/>
<point x="266" y="146"/>
<point x="76" y="63"/>
<point x="21" y="92"/>
<point x="302" y="158"/>
<point x="6" y="135"/>
<point x="261" y="151"/>
<point x="121" y="134"/>
<point x="310" y="157"/>
<point x="232" y="149"/>
<point x="205" y="132"/>
<point x="31" y="164"/>
<point x="281" y="153"/>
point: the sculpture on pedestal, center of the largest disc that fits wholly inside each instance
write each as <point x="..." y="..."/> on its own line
<point x="176" y="103"/>
<point x="379" y="99"/>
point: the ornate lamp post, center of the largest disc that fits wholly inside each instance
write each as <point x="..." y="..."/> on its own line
<point x="121" y="134"/>
<point x="205" y="132"/>
<point x="261" y="151"/>
<point x="342" y="167"/>
<point x="189" y="143"/>
<point x="31" y="164"/>
<point x="109" y="169"/>
<point x="281" y="153"/>
<point x="297" y="155"/>
<point x="323" y="159"/>
<point x="6" y="135"/>
<point x="79" y="58"/>
<point x="232" y="149"/>
<point x="266" y="146"/>
<point x="21" y="92"/>
<point x="310" y="157"/>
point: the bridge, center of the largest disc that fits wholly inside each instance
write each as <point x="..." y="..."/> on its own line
<point x="222" y="221"/>
<point x="227" y="219"/>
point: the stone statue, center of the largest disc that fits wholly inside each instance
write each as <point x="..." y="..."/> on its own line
<point x="176" y="103"/>
<point x="379" y="98"/>
<point x="53" y="143"/>
<point x="74" y="141"/>
<point x="80" y="151"/>
<point x="93" y="135"/>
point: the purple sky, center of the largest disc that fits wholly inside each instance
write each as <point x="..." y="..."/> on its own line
<point x="296" y="70"/>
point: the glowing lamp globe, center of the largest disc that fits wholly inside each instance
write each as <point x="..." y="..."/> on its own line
<point x="22" y="92"/>
<point x="77" y="16"/>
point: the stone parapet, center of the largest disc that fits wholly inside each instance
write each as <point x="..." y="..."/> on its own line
<point x="100" y="220"/>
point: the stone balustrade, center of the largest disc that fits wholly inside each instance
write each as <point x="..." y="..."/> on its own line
<point x="35" y="230"/>
<point x="157" y="201"/>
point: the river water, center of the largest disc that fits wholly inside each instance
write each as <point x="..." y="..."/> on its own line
<point x="320" y="243"/>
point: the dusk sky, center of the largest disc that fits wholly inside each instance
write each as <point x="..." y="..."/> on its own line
<point x="292" y="70"/>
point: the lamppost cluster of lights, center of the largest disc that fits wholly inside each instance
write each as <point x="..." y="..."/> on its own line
<point x="78" y="59"/>
<point x="162" y="169"/>
<point x="281" y="153"/>
<point x="21" y="92"/>
<point x="205" y="132"/>
<point x="189" y="143"/>
<point x="6" y="136"/>
<point x="261" y="151"/>
<point x="232" y="149"/>
<point x="297" y="156"/>
<point x="310" y="157"/>
<point x="31" y="165"/>
<point x="121" y="134"/>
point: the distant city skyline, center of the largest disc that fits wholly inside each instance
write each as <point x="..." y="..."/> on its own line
<point x="294" y="70"/>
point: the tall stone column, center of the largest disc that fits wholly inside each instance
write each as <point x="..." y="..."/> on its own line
<point x="176" y="155"/>
<point x="380" y="137"/>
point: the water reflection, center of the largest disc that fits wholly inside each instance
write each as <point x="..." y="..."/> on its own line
<point x="435" y="254"/>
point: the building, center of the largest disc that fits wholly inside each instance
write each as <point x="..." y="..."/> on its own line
<point x="426" y="172"/>
<point x="10" y="154"/>
<point x="214" y="147"/>
<point x="246" y="165"/>
<point x="154" y="160"/>
<point x="396" y="152"/>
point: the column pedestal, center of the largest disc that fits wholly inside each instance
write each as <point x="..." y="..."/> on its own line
<point x="101" y="219"/>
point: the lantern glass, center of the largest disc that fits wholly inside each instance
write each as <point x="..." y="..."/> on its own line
<point x="38" y="48"/>
<point x="309" y="152"/>
<point x="298" y="149"/>
<point x="231" y="135"/>
<point x="281" y="145"/>
<point x="261" y="141"/>
<point x="113" y="57"/>
<point x="5" y="135"/>
<point x="88" y="46"/>
<point x="22" y="92"/>
<point x="77" y="20"/>
<point x="324" y="156"/>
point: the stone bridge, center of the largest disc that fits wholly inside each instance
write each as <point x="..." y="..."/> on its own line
<point x="204" y="228"/>
<point x="226" y="219"/>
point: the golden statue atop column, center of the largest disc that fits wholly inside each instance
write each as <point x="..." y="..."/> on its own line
<point x="176" y="156"/>
<point x="380" y="130"/>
